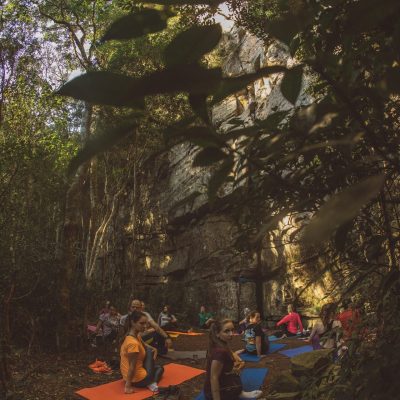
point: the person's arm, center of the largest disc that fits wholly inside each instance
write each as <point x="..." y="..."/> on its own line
<point x="238" y="362"/>
<point x="216" y="369"/>
<point x="153" y="349"/>
<point x="173" y="320"/>
<point x="132" y="357"/>
<point x="159" y="320"/>
<point x="258" y="346"/>
<point x="159" y="330"/>
<point x="284" y="320"/>
<point x="98" y="326"/>
<point x="299" y="323"/>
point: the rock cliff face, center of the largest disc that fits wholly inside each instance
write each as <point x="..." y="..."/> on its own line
<point x="185" y="254"/>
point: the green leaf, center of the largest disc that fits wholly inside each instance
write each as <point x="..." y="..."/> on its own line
<point x="189" y="46"/>
<point x="107" y="137"/>
<point x="103" y="87"/>
<point x="230" y="86"/>
<point x="135" y="25"/>
<point x="209" y="156"/>
<point x="341" y="208"/>
<point x="291" y="83"/>
<point x="219" y="177"/>
<point x="283" y="28"/>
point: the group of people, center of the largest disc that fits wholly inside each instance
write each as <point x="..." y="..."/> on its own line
<point x="144" y="339"/>
<point x="111" y="324"/>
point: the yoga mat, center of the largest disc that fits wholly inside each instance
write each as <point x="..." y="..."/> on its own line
<point x="174" y="374"/>
<point x="249" y="357"/>
<point x="272" y="338"/>
<point x="252" y="379"/>
<point x="186" y="333"/>
<point x="275" y="347"/>
<point x="296" y="351"/>
<point x="254" y="358"/>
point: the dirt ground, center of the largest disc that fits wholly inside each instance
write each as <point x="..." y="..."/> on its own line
<point x="46" y="376"/>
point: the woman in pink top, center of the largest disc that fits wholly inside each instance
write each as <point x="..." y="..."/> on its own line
<point x="292" y="322"/>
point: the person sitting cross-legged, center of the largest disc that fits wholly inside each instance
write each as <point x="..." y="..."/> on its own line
<point x="205" y="318"/>
<point x="290" y="323"/>
<point x="256" y="340"/>
<point x="167" y="320"/>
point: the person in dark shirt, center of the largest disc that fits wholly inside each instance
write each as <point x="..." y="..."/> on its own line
<point x="223" y="366"/>
<point x="256" y="340"/>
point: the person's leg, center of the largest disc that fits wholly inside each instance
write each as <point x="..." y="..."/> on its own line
<point x="159" y="344"/>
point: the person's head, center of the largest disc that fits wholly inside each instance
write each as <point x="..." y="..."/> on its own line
<point x="327" y="313"/>
<point x="202" y="309"/>
<point x="136" y="305"/>
<point x="112" y="310"/>
<point x="137" y="321"/>
<point x="166" y="308"/>
<point x="108" y="303"/>
<point x="254" y="317"/>
<point x="290" y="308"/>
<point x="221" y="333"/>
<point x="143" y="305"/>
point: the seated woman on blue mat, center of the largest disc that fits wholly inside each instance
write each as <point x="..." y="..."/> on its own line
<point x="290" y="323"/>
<point x="137" y="358"/>
<point x="326" y="333"/>
<point x="223" y="366"/>
<point x="257" y="342"/>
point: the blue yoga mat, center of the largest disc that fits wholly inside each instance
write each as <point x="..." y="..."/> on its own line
<point x="296" y="351"/>
<point x="275" y="347"/>
<point x="272" y="338"/>
<point x="254" y="358"/>
<point x="252" y="379"/>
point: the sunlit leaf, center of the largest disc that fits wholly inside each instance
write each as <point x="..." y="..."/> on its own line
<point x="189" y="46"/>
<point x="135" y="25"/>
<point x="209" y="156"/>
<point x="230" y="86"/>
<point x="341" y="208"/>
<point x="219" y="177"/>
<point x="106" y="137"/>
<point x="291" y="83"/>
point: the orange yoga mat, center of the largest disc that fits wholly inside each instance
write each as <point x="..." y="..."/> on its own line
<point x="174" y="374"/>
<point x="186" y="333"/>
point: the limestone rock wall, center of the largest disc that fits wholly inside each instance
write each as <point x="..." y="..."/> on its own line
<point x="185" y="254"/>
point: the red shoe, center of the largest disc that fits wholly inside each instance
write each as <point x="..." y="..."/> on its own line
<point x="96" y="364"/>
